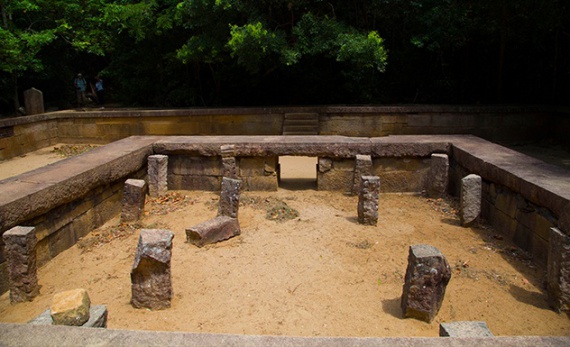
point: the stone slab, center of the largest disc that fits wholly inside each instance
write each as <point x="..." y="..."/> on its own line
<point x="12" y="335"/>
<point x="214" y="230"/>
<point x="470" y="199"/>
<point x="464" y="329"/>
<point x="97" y="318"/>
<point x="438" y="175"/>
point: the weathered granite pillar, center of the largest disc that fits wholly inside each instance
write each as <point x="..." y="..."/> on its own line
<point x="427" y="276"/>
<point x="20" y="252"/>
<point x="438" y="175"/>
<point x="157" y="175"/>
<point x="368" y="200"/>
<point x="362" y="167"/>
<point x="229" y="197"/>
<point x="214" y="230"/>
<point x="134" y="194"/>
<point x="470" y="199"/>
<point x="558" y="270"/>
<point x="33" y="101"/>
<point x="151" y="282"/>
<point x="229" y="164"/>
<point x="464" y="329"/>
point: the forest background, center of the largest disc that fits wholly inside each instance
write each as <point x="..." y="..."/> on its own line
<point x="173" y="53"/>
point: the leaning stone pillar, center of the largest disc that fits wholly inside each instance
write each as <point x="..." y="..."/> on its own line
<point x="362" y="167"/>
<point x="157" y="175"/>
<point x="20" y="251"/>
<point x="151" y="282"/>
<point x="229" y="161"/>
<point x="229" y="197"/>
<point x="438" y="175"/>
<point x="558" y="270"/>
<point x="427" y="276"/>
<point x="470" y="199"/>
<point x="368" y="200"/>
<point x="134" y="195"/>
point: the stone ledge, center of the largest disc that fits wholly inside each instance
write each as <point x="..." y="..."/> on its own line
<point x="38" y="335"/>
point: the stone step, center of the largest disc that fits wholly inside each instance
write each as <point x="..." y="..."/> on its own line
<point x="301" y="124"/>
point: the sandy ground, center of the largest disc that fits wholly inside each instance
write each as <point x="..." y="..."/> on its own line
<point x="317" y="274"/>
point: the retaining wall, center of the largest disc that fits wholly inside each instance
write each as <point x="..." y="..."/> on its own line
<point x="504" y="124"/>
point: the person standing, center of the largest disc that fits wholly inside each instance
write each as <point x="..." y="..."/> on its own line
<point x="80" y="84"/>
<point x="100" y="90"/>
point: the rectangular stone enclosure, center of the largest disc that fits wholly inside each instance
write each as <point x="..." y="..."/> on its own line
<point x="521" y="197"/>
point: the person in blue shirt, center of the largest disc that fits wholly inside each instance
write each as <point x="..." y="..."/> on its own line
<point x="99" y="90"/>
<point x="80" y="84"/>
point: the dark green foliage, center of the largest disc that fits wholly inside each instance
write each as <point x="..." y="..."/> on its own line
<point x="243" y="52"/>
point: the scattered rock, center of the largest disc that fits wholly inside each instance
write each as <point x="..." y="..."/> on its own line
<point x="70" y="307"/>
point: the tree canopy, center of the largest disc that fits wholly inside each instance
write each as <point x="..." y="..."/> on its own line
<point x="241" y="52"/>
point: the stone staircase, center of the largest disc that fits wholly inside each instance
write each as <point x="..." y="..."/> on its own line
<point x="301" y="124"/>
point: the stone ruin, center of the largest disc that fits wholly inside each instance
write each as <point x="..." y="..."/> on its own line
<point x="20" y="249"/>
<point x="151" y="282"/>
<point x="426" y="279"/>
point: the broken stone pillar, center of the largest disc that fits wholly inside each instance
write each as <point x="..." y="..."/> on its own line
<point x="33" y="101"/>
<point x="464" y="329"/>
<point x="134" y="194"/>
<point x="558" y="270"/>
<point x="20" y="252"/>
<point x="229" y="163"/>
<point x="70" y="307"/>
<point x="151" y="282"/>
<point x="229" y="197"/>
<point x="362" y="167"/>
<point x="368" y="200"/>
<point x="427" y="276"/>
<point x="438" y="175"/>
<point x="470" y="199"/>
<point x="214" y="230"/>
<point x="157" y="175"/>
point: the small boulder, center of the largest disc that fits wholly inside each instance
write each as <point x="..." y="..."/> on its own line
<point x="70" y="307"/>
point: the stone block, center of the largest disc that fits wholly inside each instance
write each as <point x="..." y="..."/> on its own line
<point x="335" y="180"/>
<point x="368" y="200"/>
<point x="427" y="276"/>
<point x="324" y="164"/>
<point x="206" y="183"/>
<point x="362" y="167"/>
<point x="464" y="329"/>
<point x="438" y="175"/>
<point x="97" y="318"/>
<point x="470" y="199"/>
<point x="229" y="197"/>
<point x="134" y="194"/>
<point x="230" y="169"/>
<point x="251" y="166"/>
<point x="214" y="230"/>
<point x="33" y="101"/>
<point x="228" y="151"/>
<point x="260" y="183"/>
<point x="157" y="175"/>
<point x="70" y="307"/>
<point x="151" y="281"/>
<point x="194" y="166"/>
<point x="564" y="220"/>
<point x="20" y="252"/>
<point x="558" y="271"/>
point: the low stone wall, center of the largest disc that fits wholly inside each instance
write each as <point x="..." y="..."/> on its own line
<point x="523" y="197"/>
<point x="504" y="124"/>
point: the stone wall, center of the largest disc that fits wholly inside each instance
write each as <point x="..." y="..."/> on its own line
<point x="499" y="124"/>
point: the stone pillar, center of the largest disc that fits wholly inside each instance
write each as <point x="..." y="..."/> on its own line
<point x="229" y="197"/>
<point x="362" y="167"/>
<point x="427" y="276"/>
<point x="464" y="329"/>
<point x="558" y="270"/>
<point x="470" y="199"/>
<point x="34" y="101"/>
<point x="368" y="200"/>
<point x="151" y="282"/>
<point x="229" y="161"/>
<point x="157" y="175"/>
<point x="438" y="175"/>
<point x="20" y="251"/>
<point x="134" y="195"/>
<point x="214" y="230"/>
